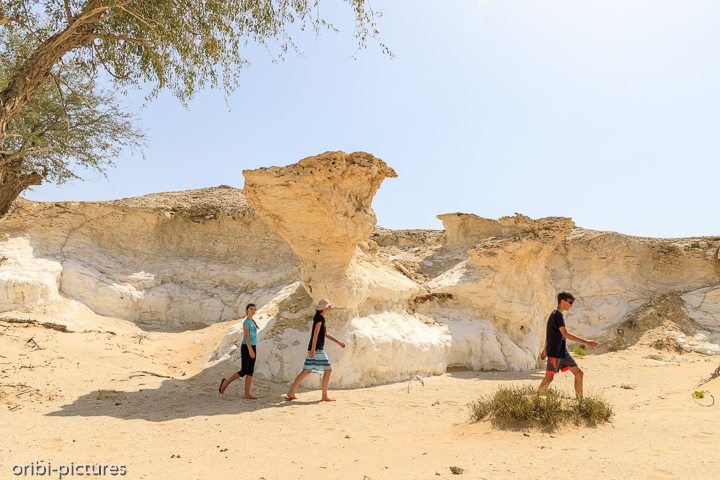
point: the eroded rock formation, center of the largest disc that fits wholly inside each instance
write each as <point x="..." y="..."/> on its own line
<point x="407" y="302"/>
<point x="496" y="302"/>
<point x="164" y="259"/>
<point x="614" y="274"/>
<point x="322" y="207"/>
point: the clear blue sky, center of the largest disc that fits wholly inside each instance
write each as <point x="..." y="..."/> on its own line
<point x="605" y="111"/>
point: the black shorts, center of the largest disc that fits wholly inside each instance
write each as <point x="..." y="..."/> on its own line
<point x="247" y="364"/>
<point x="557" y="365"/>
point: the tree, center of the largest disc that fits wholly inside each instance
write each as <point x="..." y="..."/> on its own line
<point x="69" y="123"/>
<point x="179" y="45"/>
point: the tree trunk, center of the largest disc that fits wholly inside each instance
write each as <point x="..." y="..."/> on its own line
<point x="12" y="184"/>
<point x="33" y="72"/>
<point x="37" y="69"/>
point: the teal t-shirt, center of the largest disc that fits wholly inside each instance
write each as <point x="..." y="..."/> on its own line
<point x="253" y="331"/>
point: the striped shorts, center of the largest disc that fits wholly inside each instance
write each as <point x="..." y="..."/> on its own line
<point x="318" y="364"/>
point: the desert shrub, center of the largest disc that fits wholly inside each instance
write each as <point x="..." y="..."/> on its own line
<point x="699" y="394"/>
<point x="594" y="409"/>
<point x="580" y="350"/>
<point x="479" y="409"/>
<point x="545" y="407"/>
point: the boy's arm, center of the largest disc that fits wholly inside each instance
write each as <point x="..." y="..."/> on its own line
<point x="327" y="335"/>
<point x="572" y="337"/>
<point x="543" y="354"/>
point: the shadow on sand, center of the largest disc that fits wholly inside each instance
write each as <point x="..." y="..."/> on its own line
<point x="198" y="396"/>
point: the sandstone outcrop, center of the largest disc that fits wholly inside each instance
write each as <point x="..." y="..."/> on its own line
<point x="406" y="302"/>
<point x="614" y="274"/>
<point x="25" y="280"/>
<point x="464" y="229"/>
<point x="496" y="302"/>
<point x="322" y="207"/>
<point x="164" y="259"/>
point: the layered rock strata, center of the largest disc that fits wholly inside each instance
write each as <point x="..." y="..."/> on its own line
<point x="496" y="302"/>
<point x="165" y="259"/>
<point x="407" y="302"/>
<point x="612" y="275"/>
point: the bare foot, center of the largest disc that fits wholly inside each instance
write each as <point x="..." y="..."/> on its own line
<point x="250" y="397"/>
<point x="328" y="399"/>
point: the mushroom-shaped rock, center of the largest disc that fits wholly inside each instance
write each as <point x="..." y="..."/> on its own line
<point x="322" y="207"/>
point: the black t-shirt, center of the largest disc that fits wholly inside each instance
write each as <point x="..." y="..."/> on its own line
<point x="321" y="335"/>
<point x="556" y="347"/>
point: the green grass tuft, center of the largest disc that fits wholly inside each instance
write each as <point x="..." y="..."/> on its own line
<point x="699" y="394"/>
<point x="580" y="350"/>
<point x="547" y="407"/>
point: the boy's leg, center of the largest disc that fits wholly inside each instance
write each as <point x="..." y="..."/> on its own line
<point x="325" y="384"/>
<point x="578" y="380"/>
<point x="248" y="382"/>
<point x="227" y="382"/>
<point x="547" y="380"/>
<point x="296" y="383"/>
<point x="553" y="367"/>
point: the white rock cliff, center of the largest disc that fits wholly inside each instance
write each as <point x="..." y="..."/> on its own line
<point x="475" y="295"/>
<point x="164" y="259"/>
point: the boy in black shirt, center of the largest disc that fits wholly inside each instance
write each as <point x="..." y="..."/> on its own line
<point x="559" y="359"/>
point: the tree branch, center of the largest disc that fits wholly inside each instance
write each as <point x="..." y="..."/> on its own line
<point x="5" y="20"/>
<point x="86" y="17"/>
<point x="14" y="156"/>
<point x="62" y="103"/>
<point x="68" y="12"/>
<point x="120" y="37"/>
<point x="95" y="11"/>
<point x="138" y="17"/>
<point x="58" y="79"/>
<point x="105" y="67"/>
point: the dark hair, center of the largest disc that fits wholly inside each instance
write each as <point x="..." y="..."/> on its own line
<point x="250" y="305"/>
<point x="565" y="296"/>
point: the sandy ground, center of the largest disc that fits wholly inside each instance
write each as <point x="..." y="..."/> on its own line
<point x="92" y="395"/>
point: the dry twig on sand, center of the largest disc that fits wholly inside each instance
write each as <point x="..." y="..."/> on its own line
<point x="26" y="391"/>
<point x="418" y="378"/>
<point x="28" y="321"/>
<point x="34" y="343"/>
<point x="141" y="336"/>
<point x="713" y="402"/>
<point x="144" y="372"/>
